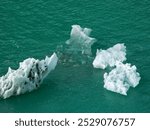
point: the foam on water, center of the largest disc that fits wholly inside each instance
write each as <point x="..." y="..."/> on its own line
<point x="121" y="78"/>
<point x="27" y="77"/>
<point x="110" y="56"/>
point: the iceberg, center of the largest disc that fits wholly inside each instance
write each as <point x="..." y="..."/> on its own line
<point x="110" y="56"/>
<point x="27" y="77"/>
<point x="121" y="78"/>
<point x="80" y="40"/>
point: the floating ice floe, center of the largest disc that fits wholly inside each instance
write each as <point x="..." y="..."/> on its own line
<point x="121" y="78"/>
<point x="27" y="77"/>
<point x="110" y="56"/>
<point x="80" y="41"/>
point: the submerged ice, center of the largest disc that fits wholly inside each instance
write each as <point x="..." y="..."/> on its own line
<point x="27" y="77"/>
<point x="110" y="56"/>
<point x="77" y="49"/>
<point x="80" y="40"/>
<point x="121" y="78"/>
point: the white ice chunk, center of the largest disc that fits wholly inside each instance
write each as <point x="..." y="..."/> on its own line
<point x="110" y="56"/>
<point x="121" y="78"/>
<point x="27" y="77"/>
<point x="80" y="41"/>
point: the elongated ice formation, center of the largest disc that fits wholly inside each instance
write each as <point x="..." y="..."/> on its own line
<point x="110" y="56"/>
<point x="27" y="77"/>
<point x="80" y="41"/>
<point x="121" y="78"/>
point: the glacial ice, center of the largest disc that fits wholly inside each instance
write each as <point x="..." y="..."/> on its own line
<point x="27" y="77"/>
<point x="80" y="40"/>
<point x="121" y="78"/>
<point x="110" y="56"/>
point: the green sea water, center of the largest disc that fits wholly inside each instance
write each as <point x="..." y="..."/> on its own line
<point x="36" y="28"/>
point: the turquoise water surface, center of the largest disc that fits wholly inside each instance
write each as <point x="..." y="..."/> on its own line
<point x="36" y="28"/>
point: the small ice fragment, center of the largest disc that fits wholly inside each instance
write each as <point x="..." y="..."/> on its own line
<point x="121" y="78"/>
<point x="80" y="41"/>
<point x="110" y="56"/>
